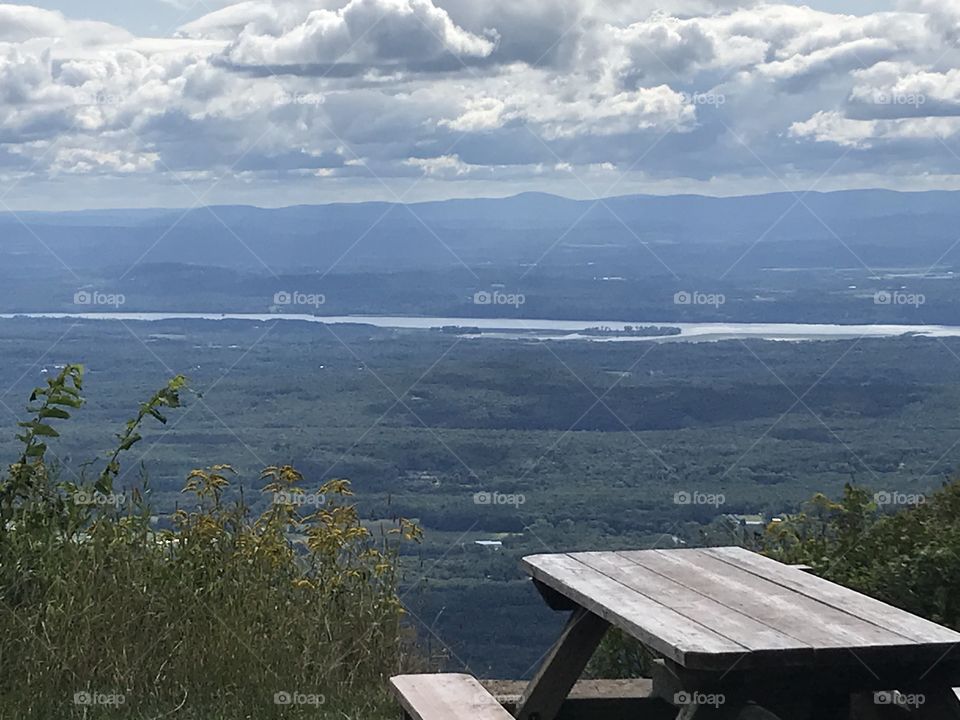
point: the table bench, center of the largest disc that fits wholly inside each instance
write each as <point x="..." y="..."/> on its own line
<point x="736" y="635"/>
<point x="446" y="697"/>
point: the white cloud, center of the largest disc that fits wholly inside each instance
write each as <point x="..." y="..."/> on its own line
<point x="903" y="91"/>
<point x="364" y="33"/>
<point x="477" y="114"/>
<point x="832" y="127"/>
<point x="580" y="113"/>
<point x="943" y="16"/>
<point x="23" y="24"/>
<point x="83" y="161"/>
<point x="443" y="165"/>
<point x="227" y="23"/>
<point x="287" y="92"/>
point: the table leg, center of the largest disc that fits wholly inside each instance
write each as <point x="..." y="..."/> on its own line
<point x="562" y="667"/>
<point x="938" y="704"/>
<point x="927" y="704"/>
<point x="720" y="712"/>
<point x="808" y="705"/>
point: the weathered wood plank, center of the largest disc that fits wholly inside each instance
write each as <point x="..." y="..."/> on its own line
<point x="659" y="627"/>
<point x="562" y="667"/>
<point x="446" y="697"/>
<point x="863" y="606"/>
<point x="805" y="619"/>
<point x="508" y="692"/>
<point x="593" y="699"/>
<point x="700" y="607"/>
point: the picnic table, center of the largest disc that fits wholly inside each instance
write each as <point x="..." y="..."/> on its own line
<point x="731" y="634"/>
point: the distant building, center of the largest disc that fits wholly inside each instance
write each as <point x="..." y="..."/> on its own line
<point x="495" y="544"/>
<point x="424" y="476"/>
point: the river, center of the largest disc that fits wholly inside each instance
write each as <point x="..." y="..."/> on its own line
<point x="511" y="329"/>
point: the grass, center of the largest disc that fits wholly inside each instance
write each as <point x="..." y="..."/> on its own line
<point x="212" y="613"/>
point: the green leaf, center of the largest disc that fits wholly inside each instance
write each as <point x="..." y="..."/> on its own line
<point x="44" y="430"/>
<point x="53" y="412"/>
<point x="130" y="441"/>
<point x="67" y="401"/>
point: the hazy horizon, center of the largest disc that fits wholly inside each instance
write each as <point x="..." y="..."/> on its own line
<point x="467" y="198"/>
<point x="287" y="102"/>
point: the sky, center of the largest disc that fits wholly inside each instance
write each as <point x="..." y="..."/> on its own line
<point x="174" y="103"/>
<point x="160" y="17"/>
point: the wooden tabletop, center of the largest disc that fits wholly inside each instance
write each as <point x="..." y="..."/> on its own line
<point x="716" y="608"/>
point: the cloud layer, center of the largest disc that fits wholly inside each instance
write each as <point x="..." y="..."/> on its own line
<point x="456" y="97"/>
